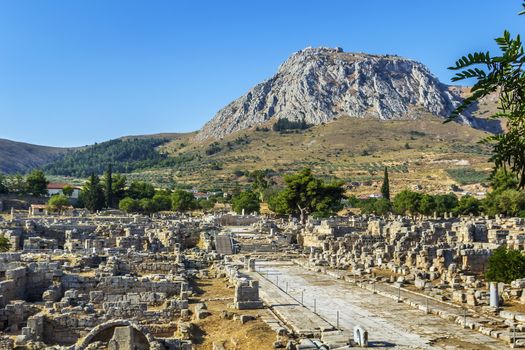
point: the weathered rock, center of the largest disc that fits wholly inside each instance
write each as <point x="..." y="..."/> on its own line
<point x="316" y="85"/>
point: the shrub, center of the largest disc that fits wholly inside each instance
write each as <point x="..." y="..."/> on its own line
<point x="466" y="176"/>
<point x="129" y="205"/>
<point x="284" y="124"/>
<point x="505" y="265"/>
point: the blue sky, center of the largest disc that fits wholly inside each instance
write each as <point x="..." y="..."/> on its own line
<point x="77" y="72"/>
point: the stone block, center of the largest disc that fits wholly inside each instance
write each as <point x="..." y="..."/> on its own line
<point x="246" y="318"/>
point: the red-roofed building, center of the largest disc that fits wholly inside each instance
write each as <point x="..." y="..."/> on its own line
<point x="57" y="187"/>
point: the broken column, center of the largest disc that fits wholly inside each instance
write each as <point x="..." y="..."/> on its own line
<point x="361" y="336"/>
<point x="494" y="295"/>
<point x="250" y="264"/>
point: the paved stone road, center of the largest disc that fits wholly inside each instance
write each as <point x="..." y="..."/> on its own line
<point x="299" y="318"/>
<point x="390" y="324"/>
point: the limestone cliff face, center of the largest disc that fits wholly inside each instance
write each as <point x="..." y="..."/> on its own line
<point x="319" y="84"/>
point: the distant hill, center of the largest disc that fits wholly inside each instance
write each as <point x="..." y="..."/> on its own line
<point x="125" y="154"/>
<point x="345" y="115"/>
<point x="19" y="157"/>
<point x="316" y="85"/>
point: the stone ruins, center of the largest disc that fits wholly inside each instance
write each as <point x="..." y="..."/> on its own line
<point x="116" y="281"/>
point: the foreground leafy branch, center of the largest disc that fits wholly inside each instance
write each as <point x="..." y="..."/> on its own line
<point x="503" y="75"/>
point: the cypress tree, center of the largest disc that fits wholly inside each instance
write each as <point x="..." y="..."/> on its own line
<point x="385" y="188"/>
<point x="93" y="194"/>
<point x="108" y="187"/>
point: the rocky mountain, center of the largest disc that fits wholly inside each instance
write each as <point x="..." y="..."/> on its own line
<point x="19" y="157"/>
<point x="316" y="85"/>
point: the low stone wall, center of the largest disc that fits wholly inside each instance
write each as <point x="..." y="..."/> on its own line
<point x="125" y="284"/>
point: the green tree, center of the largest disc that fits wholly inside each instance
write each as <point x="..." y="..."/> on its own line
<point x="504" y="75"/>
<point x="148" y="206"/>
<point x="385" y="188"/>
<point x="378" y="206"/>
<point x="3" y="184"/>
<point x="510" y="202"/>
<point x="119" y="187"/>
<point x="499" y="200"/>
<point x="108" y="187"/>
<point x="468" y="205"/>
<point x="17" y="184"/>
<point x="305" y="195"/>
<point x="36" y="183"/>
<point x="406" y="202"/>
<point x="261" y="181"/>
<point x="92" y="194"/>
<point x="5" y="244"/>
<point x="68" y="190"/>
<point x="161" y="201"/>
<point x="183" y="201"/>
<point x="141" y="189"/>
<point x="58" y="203"/>
<point x="278" y="202"/>
<point x="124" y="155"/>
<point x="129" y="205"/>
<point x="446" y="203"/>
<point x="427" y="204"/>
<point x="206" y="204"/>
<point x="505" y="265"/>
<point x="247" y="200"/>
<point x="502" y="180"/>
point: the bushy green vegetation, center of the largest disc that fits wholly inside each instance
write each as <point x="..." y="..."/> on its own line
<point x="385" y="187"/>
<point x="284" y="124"/>
<point x="466" y="176"/>
<point x="3" y="184"/>
<point x="35" y="184"/>
<point x="58" y="203"/>
<point x="505" y="265"/>
<point x="183" y="201"/>
<point x="140" y="189"/>
<point x="129" y="205"/>
<point x="165" y="200"/>
<point x="306" y="194"/>
<point x="503" y="75"/>
<point x="262" y="181"/>
<point x="92" y="194"/>
<point x="468" y="205"/>
<point x="213" y="148"/>
<point x="378" y="206"/>
<point x="5" y="244"/>
<point x="247" y="201"/>
<point x="125" y="155"/>
<point x="409" y="202"/>
<point x="504" y="199"/>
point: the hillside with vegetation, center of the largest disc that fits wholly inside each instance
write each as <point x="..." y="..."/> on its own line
<point x="126" y="155"/>
<point x="351" y="142"/>
<point x="425" y="153"/>
<point x="20" y="157"/>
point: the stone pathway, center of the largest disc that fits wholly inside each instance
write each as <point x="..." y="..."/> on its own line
<point x="389" y="323"/>
<point x="299" y="318"/>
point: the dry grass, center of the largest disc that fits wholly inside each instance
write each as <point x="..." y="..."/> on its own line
<point x="455" y="343"/>
<point x="384" y="273"/>
<point x="514" y="306"/>
<point x="347" y="148"/>
<point x="253" y="335"/>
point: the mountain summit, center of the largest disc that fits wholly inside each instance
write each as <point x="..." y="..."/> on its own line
<point x="316" y="85"/>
